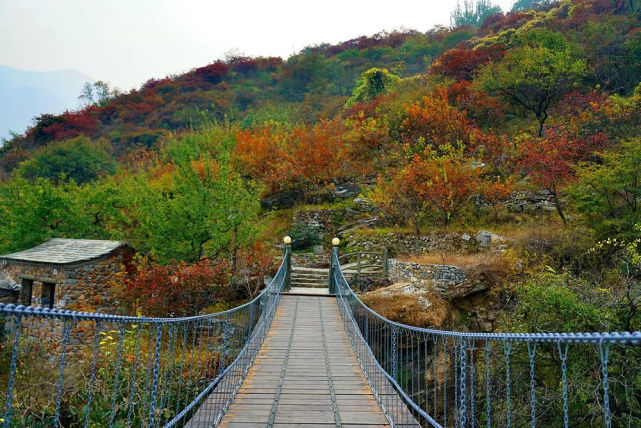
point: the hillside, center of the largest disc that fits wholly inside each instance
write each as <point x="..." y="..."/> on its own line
<point x="497" y="164"/>
<point x="27" y="94"/>
<point x="524" y="127"/>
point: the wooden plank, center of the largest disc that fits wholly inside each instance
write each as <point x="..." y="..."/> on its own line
<point x="304" y="398"/>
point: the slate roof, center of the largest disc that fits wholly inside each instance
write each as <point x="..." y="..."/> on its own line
<point x="60" y="251"/>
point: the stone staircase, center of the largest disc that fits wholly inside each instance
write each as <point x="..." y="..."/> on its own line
<point x="305" y="277"/>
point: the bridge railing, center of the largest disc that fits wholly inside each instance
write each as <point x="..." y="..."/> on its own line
<point x="64" y="368"/>
<point x="360" y="267"/>
<point x="448" y="378"/>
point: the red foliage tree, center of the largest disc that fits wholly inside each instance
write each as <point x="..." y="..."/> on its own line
<point x="65" y="126"/>
<point x="211" y="74"/>
<point x="584" y="114"/>
<point x="550" y="160"/>
<point x="501" y="22"/>
<point x="493" y="150"/>
<point x="174" y="290"/>
<point x="250" y="267"/>
<point x="244" y="65"/>
<point x="462" y="63"/>
<point x="481" y="106"/>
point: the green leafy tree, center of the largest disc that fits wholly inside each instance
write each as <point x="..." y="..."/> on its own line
<point x="531" y="4"/>
<point x="78" y="159"/>
<point x="196" y="217"/>
<point x="535" y="74"/>
<point x="194" y="205"/>
<point x="608" y="193"/>
<point x="34" y="212"/>
<point x="473" y="12"/>
<point x="97" y="93"/>
<point x="371" y="84"/>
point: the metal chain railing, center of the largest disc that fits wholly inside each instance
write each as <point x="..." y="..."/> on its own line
<point x="427" y="377"/>
<point x="65" y="368"/>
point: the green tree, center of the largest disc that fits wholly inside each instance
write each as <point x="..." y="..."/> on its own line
<point x="97" y="93"/>
<point x="531" y="4"/>
<point x="535" y="74"/>
<point x="195" y="217"/>
<point x="78" y="159"/>
<point x="193" y="205"/>
<point x="473" y="12"/>
<point x="36" y="211"/>
<point x="372" y="83"/>
<point x="608" y="194"/>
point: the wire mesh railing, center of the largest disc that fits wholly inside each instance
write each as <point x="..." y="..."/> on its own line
<point x="74" y="369"/>
<point x="440" y="378"/>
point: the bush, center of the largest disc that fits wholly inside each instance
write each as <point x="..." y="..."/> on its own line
<point x="176" y="289"/>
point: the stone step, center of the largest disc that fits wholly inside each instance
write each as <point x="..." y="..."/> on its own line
<point x="311" y="274"/>
<point x="306" y="291"/>
<point x="310" y="284"/>
<point x="309" y="279"/>
<point x="306" y="269"/>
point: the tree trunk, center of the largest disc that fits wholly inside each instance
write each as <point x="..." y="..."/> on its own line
<point x="557" y="204"/>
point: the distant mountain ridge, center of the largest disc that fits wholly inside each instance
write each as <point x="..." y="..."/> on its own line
<point x="25" y="94"/>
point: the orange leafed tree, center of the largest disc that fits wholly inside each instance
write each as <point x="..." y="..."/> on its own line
<point x="433" y="121"/>
<point x="302" y="156"/>
<point x="432" y="183"/>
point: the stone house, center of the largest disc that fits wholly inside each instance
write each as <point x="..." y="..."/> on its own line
<point x="73" y="274"/>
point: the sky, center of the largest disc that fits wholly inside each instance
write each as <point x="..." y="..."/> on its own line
<point x="127" y="42"/>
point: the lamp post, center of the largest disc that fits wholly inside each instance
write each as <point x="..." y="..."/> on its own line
<point x="332" y="266"/>
<point x="288" y="263"/>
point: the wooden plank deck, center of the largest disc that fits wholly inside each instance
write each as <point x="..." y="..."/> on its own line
<point x="306" y="374"/>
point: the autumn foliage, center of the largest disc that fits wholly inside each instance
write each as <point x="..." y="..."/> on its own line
<point x="175" y="289"/>
<point x="433" y="121"/>
<point x="551" y="160"/>
<point x="462" y="63"/>
<point x="437" y="183"/>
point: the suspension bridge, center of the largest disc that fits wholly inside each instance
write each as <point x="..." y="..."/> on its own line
<point x="306" y="356"/>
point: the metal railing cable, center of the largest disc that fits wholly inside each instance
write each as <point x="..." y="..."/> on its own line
<point x="440" y="378"/>
<point x="64" y="368"/>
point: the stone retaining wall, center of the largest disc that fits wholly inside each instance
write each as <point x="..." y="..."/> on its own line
<point x="440" y="277"/>
<point x="311" y="260"/>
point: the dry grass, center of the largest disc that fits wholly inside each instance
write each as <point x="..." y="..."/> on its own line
<point x="406" y="309"/>
<point x="539" y="230"/>
<point x="495" y="268"/>
<point x="452" y="259"/>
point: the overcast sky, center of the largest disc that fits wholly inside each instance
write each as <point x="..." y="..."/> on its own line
<point x="126" y="42"/>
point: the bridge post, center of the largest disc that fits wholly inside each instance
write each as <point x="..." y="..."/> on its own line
<point x="358" y="272"/>
<point x="287" y="254"/>
<point x="333" y="267"/>
<point x="385" y="265"/>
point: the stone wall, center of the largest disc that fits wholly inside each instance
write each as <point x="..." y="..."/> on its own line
<point x="536" y="201"/>
<point x="438" y="277"/>
<point x="83" y="287"/>
<point x="399" y="243"/>
<point x="311" y="260"/>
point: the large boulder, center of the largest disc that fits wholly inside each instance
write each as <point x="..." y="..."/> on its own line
<point x="286" y="199"/>
<point x="347" y="190"/>
<point x="408" y="303"/>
